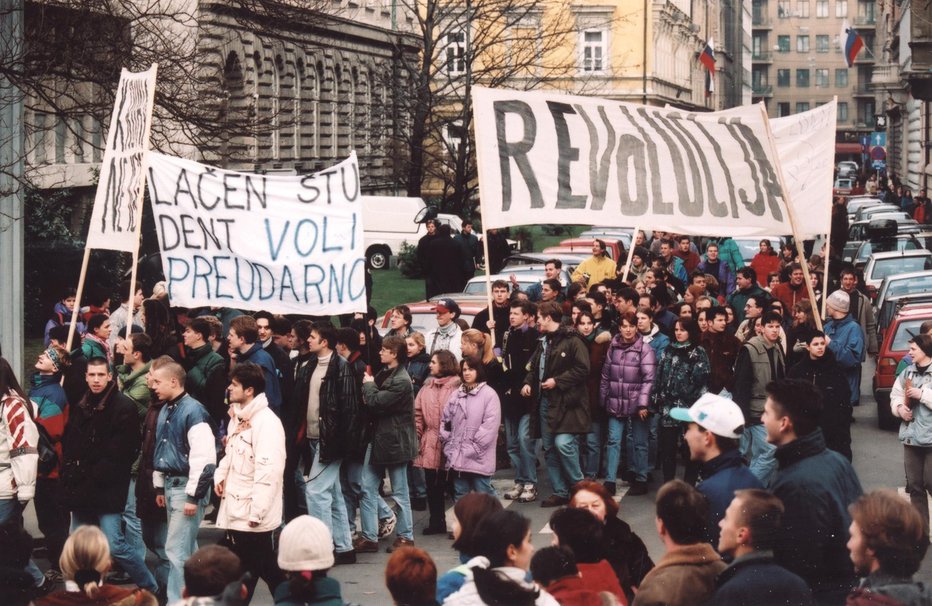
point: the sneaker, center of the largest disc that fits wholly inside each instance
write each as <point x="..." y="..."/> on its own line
<point x="637" y="488"/>
<point x="362" y="545"/>
<point x="514" y="492"/>
<point x="554" y="501"/>
<point x="54" y="576"/>
<point x="399" y="542"/>
<point x="528" y="494"/>
<point x="610" y="487"/>
<point x="387" y="525"/>
<point x="344" y="557"/>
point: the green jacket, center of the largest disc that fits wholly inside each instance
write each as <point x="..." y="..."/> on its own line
<point x="391" y="409"/>
<point x="134" y="386"/>
<point x="206" y="380"/>
<point x="567" y="362"/>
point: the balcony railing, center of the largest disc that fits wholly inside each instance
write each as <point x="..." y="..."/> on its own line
<point x="761" y="56"/>
<point x="863" y="88"/>
<point x="761" y="21"/>
<point x="886" y="75"/>
<point x="759" y="90"/>
<point x="864" y="21"/>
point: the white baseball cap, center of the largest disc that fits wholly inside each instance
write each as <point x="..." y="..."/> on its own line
<point x="713" y="413"/>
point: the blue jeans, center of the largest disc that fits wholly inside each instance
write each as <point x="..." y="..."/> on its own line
<point x="593" y="450"/>
<point x="181" y="541"/>
<point x="111" y="524"/>
<point x="131" y="523"/>
<point x="154" y="535"/>
<point x="637" y="433"/>
<point x="351" y="480"/>
<point x="561" y="453"/>
<point x="759" y="453"/>
<point x="417" y="485"/>
<point x="369" y="509"/>
<point x="464" y="483"/>
<point x="10" y="509"/>
<point x="522" y="450"/>
<point x="325" y="499"/>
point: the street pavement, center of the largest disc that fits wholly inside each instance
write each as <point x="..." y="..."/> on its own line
<point x="878" y="460"/>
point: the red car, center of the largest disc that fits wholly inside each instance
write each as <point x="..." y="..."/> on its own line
<point x="583" y="246"/>
<point x="895" y="345"/>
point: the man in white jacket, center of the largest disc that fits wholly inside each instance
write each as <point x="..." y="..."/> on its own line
<point x="249" y="478"/>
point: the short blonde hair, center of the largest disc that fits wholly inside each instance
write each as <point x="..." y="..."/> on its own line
<point x="417" y="338"/>
<point x="85" y="549"/>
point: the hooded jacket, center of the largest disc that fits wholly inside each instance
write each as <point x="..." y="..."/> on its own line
<point x="389" y="402"/>
<point x="19" y="458"/>
<point x="627" y="377"/>
<point x="567" y="362"/>
<point x="469" y="429"/>
<point x="429" y="406"/>
<point x="253" y="468"/>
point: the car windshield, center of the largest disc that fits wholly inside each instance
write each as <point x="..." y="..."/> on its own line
<point x="908" y="287"/>
<point x="525" y="279"/>
<point x="899" y="265"/>
<point x="868" y="248"/>
<point x="904" y="332"/>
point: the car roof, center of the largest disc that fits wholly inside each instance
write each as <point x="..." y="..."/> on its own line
<point x="908" y="275"/>
<point x="911" y="311"/>
<point x="893" y="254"/>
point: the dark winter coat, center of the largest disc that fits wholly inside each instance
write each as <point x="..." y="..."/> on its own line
<point x="756" y="580"/>
<point x="816" y="486"/>
<point x="722" y="349"/>
<point x="339" y="410"/>
<point x="721" y="477"/>
<point x="829" y="378"/>
<point x="739" y="299"/>
<point x="146" y="508"/>
<point x="682" y="377"/>
<point x="627" y="377"/>
<point x="389" y="401"/>
<point x="597" y="343"/>
<point x="518" y="346"/>
<point x="627" y="554"/>
<point x="207" y="380"/>
<point x="273" y="386"/>
<point x="445" y="260"/>
<point x="418" y="369"/>
<point x="99" y="447"/>
<point x="567" y="362"/>
<point x="500" y="315"/>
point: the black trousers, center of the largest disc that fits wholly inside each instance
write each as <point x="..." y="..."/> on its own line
<point x="668" y="445"/>
<point x="53" y="519"/>
<point x="256" y="551"/>
<point x="436" y="480"/>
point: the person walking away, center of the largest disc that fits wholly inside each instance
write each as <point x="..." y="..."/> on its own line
<point x="845" y="339"/>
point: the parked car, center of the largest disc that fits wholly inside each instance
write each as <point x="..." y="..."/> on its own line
<point x="898" y="242"/>
<point x="903" y="284"/>
<point x="530" y="275"/>
<point x="847" y="168"/>
<point x="847" y="187"/>
<point x="868" y="212"/>
<point x="855" y="202"/>
<point x="895" y="345"/>
<point x="860" y="231"/>
<point x="390" y="221"/>
<point x="751" y="246"/>
<point x="522" y="259"/>
<point x="615" y="248"/>
<point x="881" y="265"/>
<point x="615" y="234"/>
<point x="892" y="306"/>
<point x="424" y="315"/>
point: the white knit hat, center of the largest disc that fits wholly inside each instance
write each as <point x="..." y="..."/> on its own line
<point x="839" y="300"/>
<point x="305" y="544"/>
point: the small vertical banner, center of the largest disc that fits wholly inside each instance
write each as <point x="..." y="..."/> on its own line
<point x="118" y="202"/>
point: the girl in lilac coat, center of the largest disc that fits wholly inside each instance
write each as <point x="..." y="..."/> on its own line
<point x="469" y="430"/>
<point x="627" y="377"/>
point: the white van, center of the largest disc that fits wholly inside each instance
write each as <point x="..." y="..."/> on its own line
<point x="388" y="221"/>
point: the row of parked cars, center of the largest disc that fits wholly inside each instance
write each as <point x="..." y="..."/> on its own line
<point x="893" y="251"/>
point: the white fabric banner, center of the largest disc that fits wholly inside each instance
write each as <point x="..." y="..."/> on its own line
<point x="806" y="147"/>
<point x="553" y="158"/>
<point x="285" y="244"/>
<point x="118" y="201"/>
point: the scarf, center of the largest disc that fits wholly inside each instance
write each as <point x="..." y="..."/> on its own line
<point x="443" y="336"/>
<point x="103" y="344"/>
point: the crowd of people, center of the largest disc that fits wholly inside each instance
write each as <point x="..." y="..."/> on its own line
<point x="284" y="430"/>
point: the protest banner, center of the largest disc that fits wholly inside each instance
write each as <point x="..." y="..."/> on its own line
<point x="118" y="201"/>
<point x="553" y="158"/>
<point x="284" y="244"/>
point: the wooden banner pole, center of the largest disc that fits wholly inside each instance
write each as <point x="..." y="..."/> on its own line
<point x="634" y="237"/>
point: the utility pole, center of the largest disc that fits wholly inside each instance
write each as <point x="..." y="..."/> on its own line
<point x="11" y="191"/>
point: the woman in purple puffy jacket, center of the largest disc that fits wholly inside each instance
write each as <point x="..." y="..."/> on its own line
<point x="627" y="376"/>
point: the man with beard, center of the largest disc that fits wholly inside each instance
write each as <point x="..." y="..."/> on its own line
<point x="822" y="370"/>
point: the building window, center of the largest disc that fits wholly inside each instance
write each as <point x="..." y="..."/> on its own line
<point x="841" y="77"/>
<point x="97" y="141"/>
<point x="866" y="12"/>
<point x="802" y="78"/>
<point x="821" y="43"/>
<point x="41" y="140"/>
<point x="842" y="111"/>
<point x="77" y="127"/>
<point x="783" y="77"/>
<point x="455" y="137"/>
<point x="821" y="9"/>
<point x="802" y="44"/>
<point x="783" y="109"/>
<point x="593" y="50"/>
<point x="783" y="44"/>
<point x="821" y="77"/>
<point x="758" y="11"/>
<point x="841" y="8"/>
<point x="296" y="110"/>
<point x="802" y="106"/>
<point x="61" y="133"/>
<point x="277" y="67"/>
<point x="802" y="9"/>
<point x="783" y="9"/>
<point x="456" y="53"/>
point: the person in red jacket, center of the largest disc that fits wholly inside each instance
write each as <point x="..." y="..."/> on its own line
<point x="554" y="569"/>
<point x="765" y="262"/>
<point x="792" y="292"/>
<point x="583" y="533"/>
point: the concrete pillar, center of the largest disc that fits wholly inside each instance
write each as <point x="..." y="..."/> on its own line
<point x="11" y="192"/>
